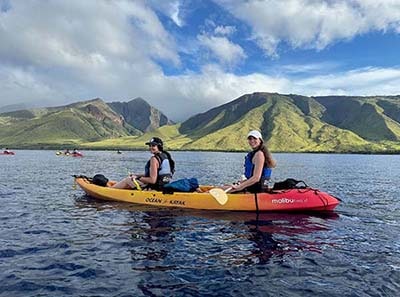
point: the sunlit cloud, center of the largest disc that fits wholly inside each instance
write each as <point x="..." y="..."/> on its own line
<point x="312" y="24"/>
<point x="227" y="52"/>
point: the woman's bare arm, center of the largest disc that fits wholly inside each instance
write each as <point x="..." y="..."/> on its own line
<point x="152" y="179"/>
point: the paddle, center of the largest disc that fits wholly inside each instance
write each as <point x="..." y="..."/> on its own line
<point x="135" y="182"/>
<point x="220" y="195"/>
<point x="138" y="187"/>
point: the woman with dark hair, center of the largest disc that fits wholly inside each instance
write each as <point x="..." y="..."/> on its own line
<point x="257" y="166"/>
<point x="158" y="170"/>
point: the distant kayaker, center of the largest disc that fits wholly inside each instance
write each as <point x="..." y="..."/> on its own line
<point x="66" y="152"/>
<point x="257" y="166"/>
<point x="158" y="170"/>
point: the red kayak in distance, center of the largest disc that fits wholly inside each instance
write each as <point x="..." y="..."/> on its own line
<point x="7" y="153"/>
<point x="77" y="155"/>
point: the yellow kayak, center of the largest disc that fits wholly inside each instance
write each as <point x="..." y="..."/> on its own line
<point x="284" y="200"/>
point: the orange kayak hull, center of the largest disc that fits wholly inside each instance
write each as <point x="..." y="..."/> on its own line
<point x="284" y="200"/>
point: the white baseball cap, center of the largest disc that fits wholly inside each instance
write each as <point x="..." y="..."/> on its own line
<point x="255" y="134"/>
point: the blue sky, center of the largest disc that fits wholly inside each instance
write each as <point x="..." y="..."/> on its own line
<point x="186" y="56"/>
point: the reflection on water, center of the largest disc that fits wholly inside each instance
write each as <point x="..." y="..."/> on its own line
<point x="269" y="235"/>
<point x="265" y="228"/>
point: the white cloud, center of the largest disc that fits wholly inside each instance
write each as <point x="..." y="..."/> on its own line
<point x="213" y="87"/>
<point x="226" y="51"/>
<point x="175" y="14"/>
<point x="313" y="24"/>
<point x="70" y="34"/>
<point x="19" y="85"/>
<point x="170" y="8"/>
<point x="184" y="95"/>
<point x="308" y="69"/>
<point x="364" y="81"/>
<point x="81" y="49"/>
<point x="224" y="30"/>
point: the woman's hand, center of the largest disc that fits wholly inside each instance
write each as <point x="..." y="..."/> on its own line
<point x="234" y="188"/>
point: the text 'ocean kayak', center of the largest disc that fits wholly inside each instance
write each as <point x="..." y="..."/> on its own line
<point x="307" y="199"/>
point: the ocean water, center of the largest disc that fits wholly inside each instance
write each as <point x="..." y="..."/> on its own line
<point x="55" y="241"/>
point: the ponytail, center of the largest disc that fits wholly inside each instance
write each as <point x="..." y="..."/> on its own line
<point x="171" y="162"/>
<point x="269" y="161"/>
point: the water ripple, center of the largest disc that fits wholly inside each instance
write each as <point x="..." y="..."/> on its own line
<point x="55" y="241"/>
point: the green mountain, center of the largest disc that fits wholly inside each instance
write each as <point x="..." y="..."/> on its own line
<point x="141" y="115"/>
<point x="290" y="123"/>
<point x="66" y="125"/>
<point x="287" y="123"/>
<point x="372" y="118"/>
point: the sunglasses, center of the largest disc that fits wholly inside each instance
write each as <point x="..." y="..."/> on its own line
<point x="152" y="145"/>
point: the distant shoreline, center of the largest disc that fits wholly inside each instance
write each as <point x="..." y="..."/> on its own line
<point x="57" y="148"/>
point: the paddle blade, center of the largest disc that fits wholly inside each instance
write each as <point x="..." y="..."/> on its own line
<point x="219" y="195"/>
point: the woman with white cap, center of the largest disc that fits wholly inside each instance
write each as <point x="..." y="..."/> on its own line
<point x="257" y="166"/>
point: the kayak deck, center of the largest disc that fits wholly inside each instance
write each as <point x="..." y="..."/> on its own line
<point x="284" y="200"/>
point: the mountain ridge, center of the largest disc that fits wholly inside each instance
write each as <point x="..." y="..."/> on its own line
<point x="288" y="123"/>
<point x="140" y="114"/>
<point x="71" y="124"/>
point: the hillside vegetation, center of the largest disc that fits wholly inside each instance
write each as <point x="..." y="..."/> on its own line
<point x="288" y="123"/>
<point x="68" y="125"/>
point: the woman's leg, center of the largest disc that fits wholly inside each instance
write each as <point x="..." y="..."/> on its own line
<point x="126" y="183"/>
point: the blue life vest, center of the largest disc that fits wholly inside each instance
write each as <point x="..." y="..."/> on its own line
<point x="249" y="167"/>
<point x="164" y="174"/>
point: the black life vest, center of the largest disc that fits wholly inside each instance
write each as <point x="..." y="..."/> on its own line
<point x="164" y="174"/>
